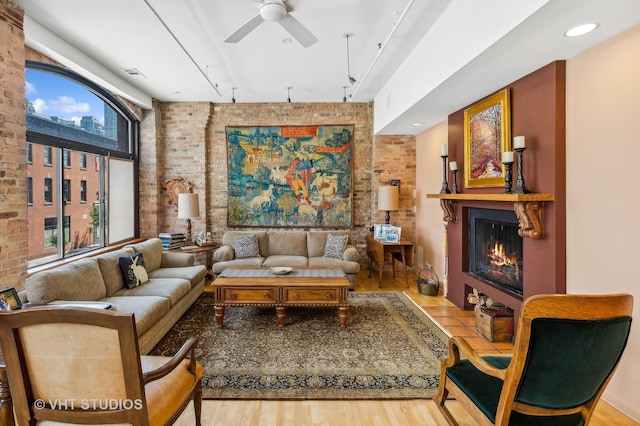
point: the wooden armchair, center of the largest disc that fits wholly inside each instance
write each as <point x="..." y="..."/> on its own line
<point x="83" y="366"/>
<point x="566" y="350"/>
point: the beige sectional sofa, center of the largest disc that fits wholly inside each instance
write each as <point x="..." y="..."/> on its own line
<point x="174" y="284"/>
<point x="289" y="248"/>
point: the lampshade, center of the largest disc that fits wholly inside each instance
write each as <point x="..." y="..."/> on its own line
<point x="388" y="198"/>
<point x="188" y="206"/>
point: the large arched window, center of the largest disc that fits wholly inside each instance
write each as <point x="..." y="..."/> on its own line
<point x="81" y="157"/>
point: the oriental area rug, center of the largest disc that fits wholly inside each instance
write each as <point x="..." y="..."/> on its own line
<point x="390" y="349"/>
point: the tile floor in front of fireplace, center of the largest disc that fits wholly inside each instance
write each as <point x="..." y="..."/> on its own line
<point x="452" y="319"/>
<point x="463" y="323"/>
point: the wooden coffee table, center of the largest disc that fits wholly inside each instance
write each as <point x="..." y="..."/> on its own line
<point x="301" y="287"/>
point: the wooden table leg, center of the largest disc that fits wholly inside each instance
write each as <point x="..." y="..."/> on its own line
<point x="393" y="265"/>
<point x="280" y="312"/>
<point x="6" y="404"/>
<point x="343" y="311"/>
<point x="219" y="310"/>
<point x="404" y="263"/>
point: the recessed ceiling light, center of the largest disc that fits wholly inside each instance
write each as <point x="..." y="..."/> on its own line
<point x="417" y="124"/>
<point x="287" y="41"/>
<point x="581" y="30"/>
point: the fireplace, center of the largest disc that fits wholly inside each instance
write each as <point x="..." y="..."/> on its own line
<point x="495" y="249"/>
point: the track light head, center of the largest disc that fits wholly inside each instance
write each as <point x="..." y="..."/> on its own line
<point x="352" y="80"/>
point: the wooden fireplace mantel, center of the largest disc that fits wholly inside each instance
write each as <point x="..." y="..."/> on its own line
<point x="526" y="206"/>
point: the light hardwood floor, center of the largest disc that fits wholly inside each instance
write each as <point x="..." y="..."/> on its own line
<point x="370" y="412"/>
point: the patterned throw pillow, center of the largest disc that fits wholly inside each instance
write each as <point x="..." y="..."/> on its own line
<point x="335" y="246"/>
<point x="133" y="270"/>
<point x="246" y="246"/>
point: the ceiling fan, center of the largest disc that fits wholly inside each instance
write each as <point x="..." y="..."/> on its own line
<point x="275" y="11"/>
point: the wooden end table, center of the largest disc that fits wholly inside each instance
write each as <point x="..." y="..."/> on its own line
<point x="378" y="250"/>
<point x="259" y="287"/>
<point x="208" y="253"/>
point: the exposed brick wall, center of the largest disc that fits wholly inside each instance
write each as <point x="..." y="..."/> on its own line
<point x="394" y="157"/>
<point x="183" y="154"/>
<point x="13" y="171"/>
<point x="186" y="149"/>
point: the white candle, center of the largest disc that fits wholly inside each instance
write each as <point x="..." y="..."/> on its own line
<point x="443" y="150"/>
<point x="453" y="166"/>
<point x="507" y="157"/>
<point x="518" y="142"/>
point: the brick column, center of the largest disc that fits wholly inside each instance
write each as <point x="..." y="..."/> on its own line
<point x="13" y="196"/>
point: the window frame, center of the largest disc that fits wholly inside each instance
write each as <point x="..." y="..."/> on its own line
<point x="127" y="147"/>
<point x="48" y="191"/>
<point x="29" y="190"/>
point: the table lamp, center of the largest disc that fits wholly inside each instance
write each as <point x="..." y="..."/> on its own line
<point x="188" y="207"/>
<point x="388" y="200"/>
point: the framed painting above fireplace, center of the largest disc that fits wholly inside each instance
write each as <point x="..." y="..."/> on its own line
<point x="487" y="128"/>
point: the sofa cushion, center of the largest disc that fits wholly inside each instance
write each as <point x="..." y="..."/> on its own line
<point x="292" y="243"/>
<point x="286" y="260"/>
<point x="246" y="246"/>
<point x="328" y="262"/>
<point x="151" y="249"/>
<point x="79" y="280"/>
<point x="133" y="270"/>
<point x="171" y="288"/>
<point x="195" y="273"/>
<point x="335" y="246"/>
<point x="147" y="310"/>
<point x="227" y="239"/>
<point x="110" y="269"/>
<point x="256" y="262"/>
<point x="317" y="241"/>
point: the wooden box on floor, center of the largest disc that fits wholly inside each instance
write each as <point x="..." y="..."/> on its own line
<point x="495" y="324"/>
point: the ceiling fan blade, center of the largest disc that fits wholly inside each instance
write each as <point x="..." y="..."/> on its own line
<point x="244" y="30"/>
<point x="297" y="30"/>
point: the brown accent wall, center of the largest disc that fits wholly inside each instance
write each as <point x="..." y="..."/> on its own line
<point x="538" y="113"/>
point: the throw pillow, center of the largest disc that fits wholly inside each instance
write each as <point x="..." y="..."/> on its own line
<point x="246" y="246"/>
<point x="335" y="246"/>
<point x="133" y="270"/>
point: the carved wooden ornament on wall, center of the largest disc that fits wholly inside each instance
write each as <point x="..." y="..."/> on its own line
<point x="177" y="186"/>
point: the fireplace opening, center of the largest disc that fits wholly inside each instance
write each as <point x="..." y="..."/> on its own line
<point x="495" y="254"/>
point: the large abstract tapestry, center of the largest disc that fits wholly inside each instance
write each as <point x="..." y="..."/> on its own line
<point x="290" y="176"/>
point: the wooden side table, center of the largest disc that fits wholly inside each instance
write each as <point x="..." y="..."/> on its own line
<point x="378" y="250"/>
<point x="207" y="250"/>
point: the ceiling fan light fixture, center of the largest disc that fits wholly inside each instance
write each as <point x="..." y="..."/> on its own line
<point x="273" y="11"/>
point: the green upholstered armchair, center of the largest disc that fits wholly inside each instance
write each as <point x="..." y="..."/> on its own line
<point x="566" y="350"/>
<point x="83" y="366"/>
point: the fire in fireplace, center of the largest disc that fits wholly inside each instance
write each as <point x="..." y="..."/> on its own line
<point x="495" y="254"/>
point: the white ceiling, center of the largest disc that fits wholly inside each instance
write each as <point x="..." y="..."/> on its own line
<point x="419" y="60"/>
